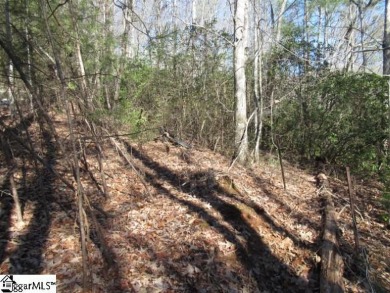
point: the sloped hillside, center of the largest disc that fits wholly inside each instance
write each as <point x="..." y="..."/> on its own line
<point x="178" y="220"/>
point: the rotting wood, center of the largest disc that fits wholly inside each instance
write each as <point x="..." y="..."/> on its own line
<point x="332" y="265"/>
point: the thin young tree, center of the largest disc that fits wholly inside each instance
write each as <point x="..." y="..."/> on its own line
<point x="258" y="87"/>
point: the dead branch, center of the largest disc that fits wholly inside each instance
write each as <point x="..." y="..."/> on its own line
<point x="124" y="155"/>
<point x="100" y="156"/>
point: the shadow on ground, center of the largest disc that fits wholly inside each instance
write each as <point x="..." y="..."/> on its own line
<point x="268" y="271"/>
<point x="26" y="252"/>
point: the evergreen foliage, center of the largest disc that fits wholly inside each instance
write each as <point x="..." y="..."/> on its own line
<point x="343" y="119"/>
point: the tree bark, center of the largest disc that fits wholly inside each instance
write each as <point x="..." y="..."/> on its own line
<point x="81" y="68"/>
<point x="386" y="40"/>
<point x="307" y="37"/>
<point x="349" y="37"/>
<point x="258" y="86"/>
<point x="280" y="21"/>
<point x="127" y="10"/>
<point x="10" y="69"/>
<point x="240" y="29"/>
<point x="332" y="265"/>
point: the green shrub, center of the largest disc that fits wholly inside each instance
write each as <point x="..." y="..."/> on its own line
<point x="340" y="117"/>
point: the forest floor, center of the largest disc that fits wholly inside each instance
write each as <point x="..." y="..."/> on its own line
<point x="177" y="220"/>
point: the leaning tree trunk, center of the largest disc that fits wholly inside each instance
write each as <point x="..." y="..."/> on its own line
<point x="240" y="28"/>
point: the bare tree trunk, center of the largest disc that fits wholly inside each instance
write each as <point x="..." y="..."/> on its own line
<point x="107" y="19"/>
<point x="364" y="57"/>
<point x="15" y="196"/>
<point x="127" y="8"/>
<point x="81" y="69"/>
<point x="307" y="41"/>
<point x="318" y="59"/>
<point x="258" y="86"/>
<point x="280" y="21"/>
<point x="194" y="12"/>
<point x="271" y="81"/>
<point x="386" y="40"/>
<point x="240" y="28"/>
<point x="29" y="51"/>
<point x="349" y="37"/>
<point x="10" y="69"/>
<point x="325" y="40"/>
<point x="360" y="8"/>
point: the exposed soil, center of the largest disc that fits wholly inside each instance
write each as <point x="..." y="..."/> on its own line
<point x="178" y="220"/>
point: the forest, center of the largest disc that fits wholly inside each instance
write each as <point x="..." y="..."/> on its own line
<point x="196" y="146"/>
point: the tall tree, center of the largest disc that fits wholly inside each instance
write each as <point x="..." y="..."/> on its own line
<point x="257" y="75"/>
<point x="10" y="69"/>
<point x="127" y="11"/>
<point x="386" y="40"/>
<point x="80" y="61"/>
<point x="240" y="38"/>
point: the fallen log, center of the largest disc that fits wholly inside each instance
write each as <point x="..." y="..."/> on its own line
<point x="332" y="265"/>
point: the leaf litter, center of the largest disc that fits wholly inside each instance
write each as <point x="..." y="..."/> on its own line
<point x="198" y="227"/>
